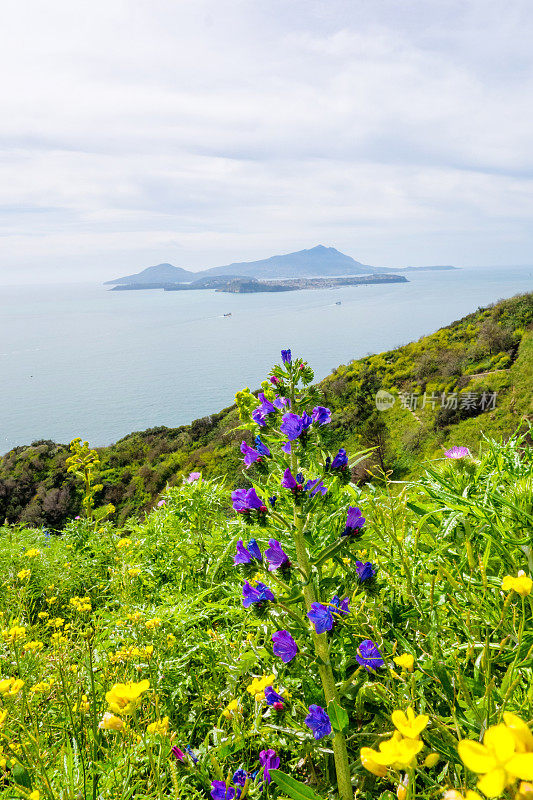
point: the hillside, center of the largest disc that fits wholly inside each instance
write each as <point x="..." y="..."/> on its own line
<point x="483" y="359"/>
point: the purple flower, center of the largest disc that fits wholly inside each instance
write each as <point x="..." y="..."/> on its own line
<point x="369" y="656"/>
<point x="242" y="556"/>
<point x="261" y="448"/>
<point x="274" y="380"/>
<point x="340" y="608"/>
<point x="354" y="521"/>
<point x="287" y="448"/>
<point x="289" y="481"/>
<point x="253" y="547"/>
<point x="457" y="452"/>
<point x="365" y="572"/>
<point x="281" y="402"/>
<point x="190" y="753"/>
<point x="314" y="487"/>
<point x="291" y="426"/>
<point x="250" y="455"/>
<point x="340" y="460"/>
<point x="271" y="696"/>
<point x="161" y="503"/>
<point x="256" y="594"/>
<point x="284" y="646"/>
<point x="219" y="791"/>
<point x="268" y="759"/>
<point x="286" y="356"/>
<point x="272" y="500"/>
<point x="306" y="420"/>
<point x="178" y="754"/>
<point x="276" y="556"/>
<point x="246" y="500"/>
<point x="239" y="777"/>
<point x="321" y="415"/>
<point x="194" y="476"/>
<point x="318" y="721"/>
<point x="259" y="417"/>
<point x="321" y="617"/>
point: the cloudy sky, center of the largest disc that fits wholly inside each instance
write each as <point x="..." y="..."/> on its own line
<point x="206" y="131"/>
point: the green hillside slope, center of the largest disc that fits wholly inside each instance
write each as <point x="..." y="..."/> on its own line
<point x="472" y="377"/>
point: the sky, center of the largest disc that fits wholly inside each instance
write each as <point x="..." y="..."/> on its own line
<point x="201" y="132"/>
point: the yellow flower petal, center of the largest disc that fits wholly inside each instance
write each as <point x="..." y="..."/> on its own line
<point x="521" y="732"/>
<point x="501" y="741"/>
<point x="476" y="756"/>
<point x="493" y="783"/>
<point x="521" y="766"/>
<point x="369" y="763"/>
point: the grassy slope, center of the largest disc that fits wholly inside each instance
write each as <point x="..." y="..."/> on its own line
<point x="35" y="487"/>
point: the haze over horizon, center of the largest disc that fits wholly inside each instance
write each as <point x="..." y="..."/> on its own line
<point x="207" y="133"/>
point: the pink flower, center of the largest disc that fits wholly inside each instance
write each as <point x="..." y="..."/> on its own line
<point x="161" y="503"/>
<point x="457" y="452"/>
<point x="178" y="754"/>
<point x="194" y="476"/>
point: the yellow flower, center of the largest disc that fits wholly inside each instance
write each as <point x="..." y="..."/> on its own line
<point x="23" y="574"/>
<point x="153" y="623"/>
<point x="231" y="709"/>
<point x="498" y="760"/>
<point x="525" y="791"/>
<point x="111" y="723"/>
<point x="134" y="571"/>
<point x="258" y="686"/>
<point x="122" y="543"/>
<point x="522" y="734"/>
<point x="51" y="600"/>
<point x="32" y="552"/>
<point x="83" y="705"/>
<point x="452" y="794"/>
<point x="35" y="795"/>
<point x="42" y="687"/>
<point x="522" y="584"/>
<point x="405" y="661"/>
<point x="397" y="752"/>
<point x="124" y="698"/>
<point x="3" y="716"/>
<point x="368" y="763"/>
<point x="171" y="639"/>
<point x="160" y="727"/>
<point x="43" y="614"/>
<point x="401" y="791"/>
<point x="16" y="686"/>
<point x="408" y="724"/>
<point x="33" y="647"/>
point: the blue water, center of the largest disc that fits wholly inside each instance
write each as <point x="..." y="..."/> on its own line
<point x="79" y="360"/>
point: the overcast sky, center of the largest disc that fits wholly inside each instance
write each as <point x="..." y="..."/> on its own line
<point x="202" y="132"/>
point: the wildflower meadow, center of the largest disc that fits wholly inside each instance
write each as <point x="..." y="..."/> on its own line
<point x="298" y="636"/>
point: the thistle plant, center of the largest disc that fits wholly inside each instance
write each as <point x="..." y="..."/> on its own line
<point x="300" y="504"/>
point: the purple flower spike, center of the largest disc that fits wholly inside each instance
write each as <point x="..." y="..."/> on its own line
<point x="284" y="646"/>
<point x="306" y="420"/>
<point x="321" y="617"/>
<point x="291" y="426"/>
<point x="259" y="417"/>
<point x="271" y="696"/>
<point x="261" y="448"/>
<point x="341" y="608"/>
<point x="287" y="448"/>
<point x="321" y="415"/>
<point x="268" y="759"/>
<point x="239" y="777"/>
<point x="289" y="481"/>
<point x="282" y="402"/>
<point x="219" y="791"/>
<point x="286" y="356"/>
<point x="340" y="460"/>
<point x="276" y="556"/>
<point x="365" y="572"/>
<point x="194" y="476"/>
<point x="242" y="556"/>
<point x="354" y="521"/>
<point x="246" y="500"/>
<point x="318" y="721"/>
<point x="369" y="656"/>
<point x="457" y="452"/>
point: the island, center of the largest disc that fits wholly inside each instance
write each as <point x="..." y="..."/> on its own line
<point x="247" y="285"/>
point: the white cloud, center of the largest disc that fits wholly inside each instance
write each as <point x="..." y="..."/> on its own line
<point x="207" y="131"/>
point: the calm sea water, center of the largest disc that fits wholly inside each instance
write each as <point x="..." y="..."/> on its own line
<point x="79" y="360"/>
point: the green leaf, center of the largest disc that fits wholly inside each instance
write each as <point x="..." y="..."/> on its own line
<point x="292" y="787"/>
<point x="338" y="716"/>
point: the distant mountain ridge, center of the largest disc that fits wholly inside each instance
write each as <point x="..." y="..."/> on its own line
<point x="319" y="261"/>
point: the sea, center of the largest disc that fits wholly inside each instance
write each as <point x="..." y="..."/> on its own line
<point x="81" y="360"/>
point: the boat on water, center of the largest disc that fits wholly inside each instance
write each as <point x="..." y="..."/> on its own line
<point x="228" y="314"/>
<point x="338" y="303"/>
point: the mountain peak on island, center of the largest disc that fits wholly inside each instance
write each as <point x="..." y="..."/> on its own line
<point x="318" y="261"/>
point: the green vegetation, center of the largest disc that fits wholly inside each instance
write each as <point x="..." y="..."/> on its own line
<point x="489" y="351"/>
<point x="123" y="646"/>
